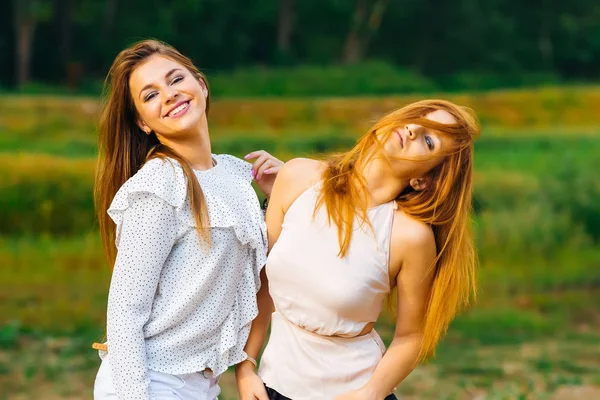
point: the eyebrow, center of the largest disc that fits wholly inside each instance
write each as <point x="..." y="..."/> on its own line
<point x="168" y="74"/>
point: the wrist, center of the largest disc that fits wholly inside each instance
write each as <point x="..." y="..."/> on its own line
<point x="245" y="366"/>
<point x="373" y="392"/>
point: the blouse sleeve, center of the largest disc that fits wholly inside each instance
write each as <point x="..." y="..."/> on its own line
<point x="145" y="212"/>
<point x="147" y="233"/>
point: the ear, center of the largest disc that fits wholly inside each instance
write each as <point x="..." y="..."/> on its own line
<point x="420" y="184"/>
<point x="143" y="126"/>
<point x="204" y="87"/>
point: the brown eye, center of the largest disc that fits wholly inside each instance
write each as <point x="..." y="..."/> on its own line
<point x="150" y="96"/>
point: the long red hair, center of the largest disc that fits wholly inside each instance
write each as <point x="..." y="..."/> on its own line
<point x="445" y="205"/>
<point x="124" y="148"/>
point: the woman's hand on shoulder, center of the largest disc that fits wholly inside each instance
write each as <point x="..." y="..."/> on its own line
<point x="264" y="169"/>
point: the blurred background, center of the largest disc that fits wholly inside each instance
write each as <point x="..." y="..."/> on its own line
<point x="298" y="78"/>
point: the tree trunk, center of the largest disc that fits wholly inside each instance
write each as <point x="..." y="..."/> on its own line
<point x="25" y="25"/>
<point x="284" y="29"/>
<point x="362" y="30"/>
<point x="544" y="39"/>
<point x="109" y="19"/>
<point x="424" y="36"/>
<point x="352" y="49"/>
<point x="64" y="29"/>
<point x="374" y="23"/>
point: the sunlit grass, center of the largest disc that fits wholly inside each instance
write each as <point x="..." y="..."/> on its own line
<point x="533" y="111"/>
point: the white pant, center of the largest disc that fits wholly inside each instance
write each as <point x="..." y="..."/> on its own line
<point x="162" y="386"/>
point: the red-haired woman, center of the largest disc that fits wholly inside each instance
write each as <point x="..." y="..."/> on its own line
<point x="392" y="213"/>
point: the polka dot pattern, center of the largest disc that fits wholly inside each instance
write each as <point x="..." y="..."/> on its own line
<point x="173" y="306"/>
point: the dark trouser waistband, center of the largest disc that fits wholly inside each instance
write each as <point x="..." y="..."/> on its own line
<point x="274" y="395"/>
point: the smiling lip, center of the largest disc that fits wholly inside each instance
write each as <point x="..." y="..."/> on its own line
<point x="180" y="113"/>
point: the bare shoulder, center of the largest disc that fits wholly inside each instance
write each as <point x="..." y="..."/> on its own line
<point x="295" y="177"/>
<point x="408" y="231"/>
<point x="412" y="244"/>
<point x="303" y="168"/>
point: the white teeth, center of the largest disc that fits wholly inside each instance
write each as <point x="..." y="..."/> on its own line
<point x="178" y="109"/>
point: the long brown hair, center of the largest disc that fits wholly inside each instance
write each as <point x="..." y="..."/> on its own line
<point x="445" y="205"/>
<point x="124" y="148"/>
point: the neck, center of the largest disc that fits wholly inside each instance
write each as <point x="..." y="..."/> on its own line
<point x="381" y="184"/>
<point x="194" y="146"/>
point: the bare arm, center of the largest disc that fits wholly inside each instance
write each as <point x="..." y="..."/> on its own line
<point x="415" y="244"/>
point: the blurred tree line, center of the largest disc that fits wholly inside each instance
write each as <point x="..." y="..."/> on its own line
<point x="70" y="41"/>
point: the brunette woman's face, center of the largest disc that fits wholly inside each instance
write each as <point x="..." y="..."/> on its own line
<point x="169" y="99"/>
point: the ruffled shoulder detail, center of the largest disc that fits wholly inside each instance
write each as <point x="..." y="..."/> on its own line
<point x="236" y="205"/>
<point x="231" y="200"/>
<point x="163" y="178"/>
<point x="236" y="166"/>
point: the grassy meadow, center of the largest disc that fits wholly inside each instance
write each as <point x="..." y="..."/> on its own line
<point x="533" y="334"/>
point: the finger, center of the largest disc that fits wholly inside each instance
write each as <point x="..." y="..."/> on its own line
<point x="275" y="160"/>
<point x="262" y="394"/>
<point x="254" y="154"/>
<point x="275" y="165"/>
<point x="267" y="165"/>
<point x="273" y="170"/>
<point x="270" y="169"/>
<point x="258" y="163"/>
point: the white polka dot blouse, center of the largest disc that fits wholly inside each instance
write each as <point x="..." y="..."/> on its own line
<point x="174" y="306"/>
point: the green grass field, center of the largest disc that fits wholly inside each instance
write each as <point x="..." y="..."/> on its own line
<point x="533" y="333"/>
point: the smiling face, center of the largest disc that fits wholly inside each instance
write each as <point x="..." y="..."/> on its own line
<point x="413" y="150"/>
<point x="168" y="98"/>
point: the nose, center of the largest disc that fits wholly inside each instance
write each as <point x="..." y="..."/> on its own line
<point x="411" y="132"/>
<point x="170" y="95"/>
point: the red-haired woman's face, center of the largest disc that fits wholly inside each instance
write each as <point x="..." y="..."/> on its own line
<point x="168" y="98"/>
<point x="414" y="150"/>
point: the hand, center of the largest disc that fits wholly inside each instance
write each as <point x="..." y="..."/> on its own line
<point x="264" y="169"/>
<point x="250" y="386"/>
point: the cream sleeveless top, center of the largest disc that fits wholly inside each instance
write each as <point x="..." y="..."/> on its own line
<point x="323" y="302"/>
